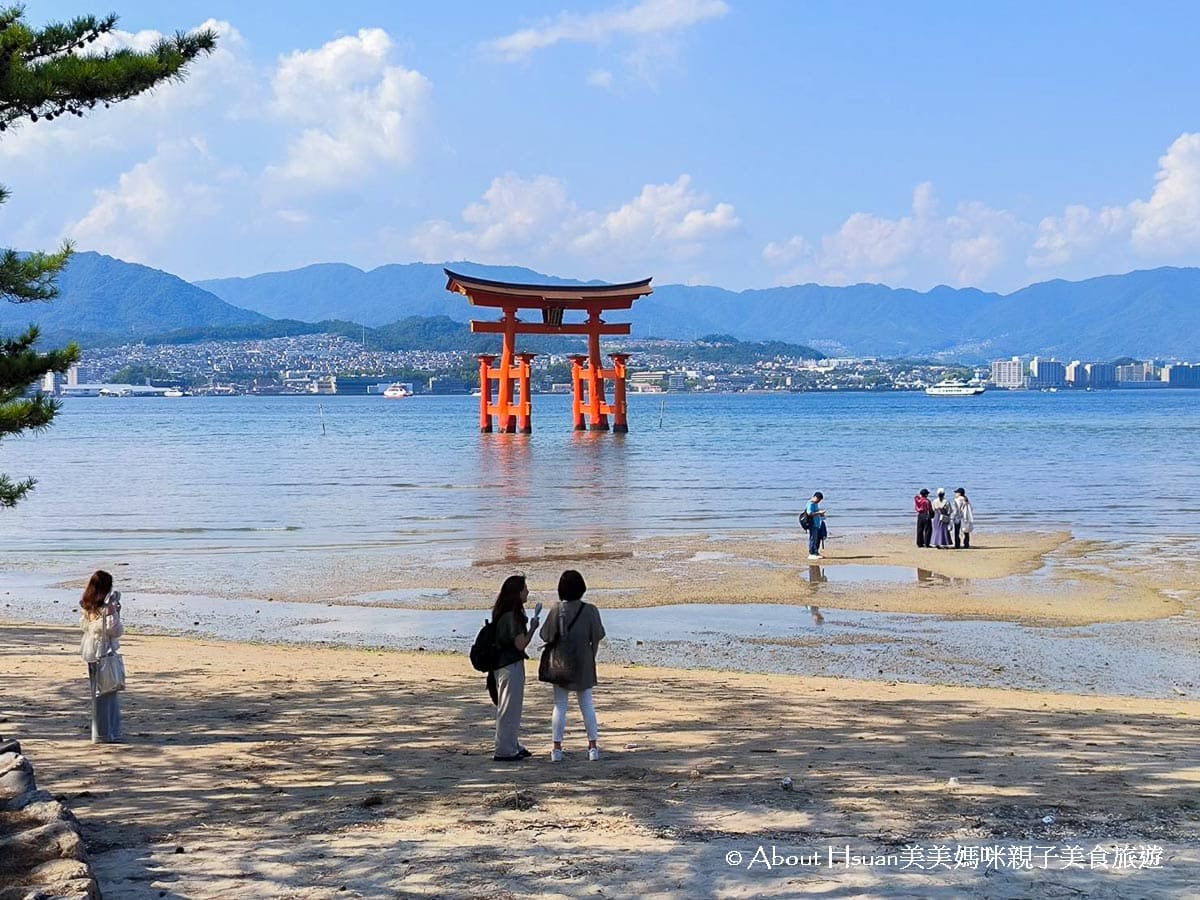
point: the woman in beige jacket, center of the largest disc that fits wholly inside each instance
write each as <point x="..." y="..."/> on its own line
<point x="102" y="629"/>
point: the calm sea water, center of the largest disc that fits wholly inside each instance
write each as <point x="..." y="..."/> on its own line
<point x="241" y="472"/>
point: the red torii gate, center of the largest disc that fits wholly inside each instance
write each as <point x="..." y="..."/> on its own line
<point x="587" y="374"/>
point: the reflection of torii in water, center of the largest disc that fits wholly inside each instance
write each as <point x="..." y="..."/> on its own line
<point x="513" y="374"/>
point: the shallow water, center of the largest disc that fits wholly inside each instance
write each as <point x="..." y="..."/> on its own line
<point x="851" y="573"/>
<point x="1128" y="659"/>
<point x="240" y="473"/>
<point x="208" y="484"/>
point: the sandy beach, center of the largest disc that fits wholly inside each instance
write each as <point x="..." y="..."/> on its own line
<point x="259" y="769"/>
<point x="301" y="772"/>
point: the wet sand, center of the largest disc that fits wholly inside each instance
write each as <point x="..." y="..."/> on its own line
<point x="1028" y="577"/>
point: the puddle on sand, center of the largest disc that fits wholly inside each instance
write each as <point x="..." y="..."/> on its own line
<point x="859" y="573"/>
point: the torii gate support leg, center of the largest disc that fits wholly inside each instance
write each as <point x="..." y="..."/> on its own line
<point x="620" y="420"/>
<point x="508" y="419"/>
<point x="525" y="417"/>
<point x="577" y="405"/>
<point x="485" y="393"/>
<point x="597" y="420"/>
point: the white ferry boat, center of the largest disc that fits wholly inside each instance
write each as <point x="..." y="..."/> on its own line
<point x="953" y="388"/>
<point x="397" y="391"/>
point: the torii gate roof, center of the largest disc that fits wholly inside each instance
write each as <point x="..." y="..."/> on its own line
<point x="484" y="292"/>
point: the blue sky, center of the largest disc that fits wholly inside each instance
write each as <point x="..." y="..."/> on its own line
<point x="743" y="144"/>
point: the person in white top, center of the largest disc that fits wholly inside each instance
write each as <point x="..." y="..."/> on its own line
<point x="964" y="520"/>
<point x="102" y="630"/>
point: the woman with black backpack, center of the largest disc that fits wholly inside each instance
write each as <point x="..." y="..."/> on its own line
<point x="514" y="631"/>
<point x="573" y="632"/>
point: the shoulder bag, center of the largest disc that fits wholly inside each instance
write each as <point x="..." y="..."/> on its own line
<point x="110" y="668"/>
<point x="558" y="664"/>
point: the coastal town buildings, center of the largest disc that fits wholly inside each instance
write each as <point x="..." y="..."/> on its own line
<point x="1100" y="375"/>
<point x="1047" y="373"/>
<point x="1008" y="373"/>
<point x="326" y="364"/>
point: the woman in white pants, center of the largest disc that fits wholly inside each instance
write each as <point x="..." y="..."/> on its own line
<point x="102" y="629"/>
<point x="578" y="627"/>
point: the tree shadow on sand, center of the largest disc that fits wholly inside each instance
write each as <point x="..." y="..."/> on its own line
<point x="398" y="767"/>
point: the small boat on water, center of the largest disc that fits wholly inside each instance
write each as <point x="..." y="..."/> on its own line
<point x="397" y="391"/>
<point x="954" y="388"/>
<point x="175" y="392"/>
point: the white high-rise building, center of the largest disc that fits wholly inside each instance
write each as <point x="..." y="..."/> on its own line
<point x="1008" y="373"/>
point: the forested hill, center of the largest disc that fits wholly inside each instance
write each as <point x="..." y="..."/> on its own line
<point x="101" y="298"/>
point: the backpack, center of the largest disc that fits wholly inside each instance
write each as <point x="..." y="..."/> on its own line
<point x="806" y="520"/>
<point x="485" y="652"/>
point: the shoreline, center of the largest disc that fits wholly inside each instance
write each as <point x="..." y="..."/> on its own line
<point x="1043" y="612"/>
<point x="321" y="773"/>
<point x="1058" y="579"/>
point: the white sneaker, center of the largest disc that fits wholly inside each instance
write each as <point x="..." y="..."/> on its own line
<point x="555" y="756"/>
<point x="593" y="754"/>
<point x="814" y="556"/>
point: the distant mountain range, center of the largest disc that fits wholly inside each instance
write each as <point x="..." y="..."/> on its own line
<point x="1140" y="314"/>
<point x="101" y="298"/>
<point x="1144" y="313"/>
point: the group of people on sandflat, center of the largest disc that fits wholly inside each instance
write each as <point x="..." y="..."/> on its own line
<point x="943" y="523"/>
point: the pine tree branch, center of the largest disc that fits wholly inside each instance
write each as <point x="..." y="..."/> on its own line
<point x="12" y="492"/>
<point x="27" y="277"/>
<point x="44" y="74"/>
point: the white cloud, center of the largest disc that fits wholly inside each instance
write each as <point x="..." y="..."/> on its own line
<point x="357" y="110"/>
<point x="1169" y="222"/>
<point x="534" y="222"/>
<point x="1078" y="232"/>
<point x="1166" y="227"/>
<point x="650" y="17"/>
<point x="921" y="249"/>
<point x="668" y="217"/>
<point x="178" y="189"/>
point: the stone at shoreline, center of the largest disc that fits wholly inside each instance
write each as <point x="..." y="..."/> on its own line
<point x="23" y="800"/>
<point x="17" y="781"/>
<point x="56" y="840"/>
